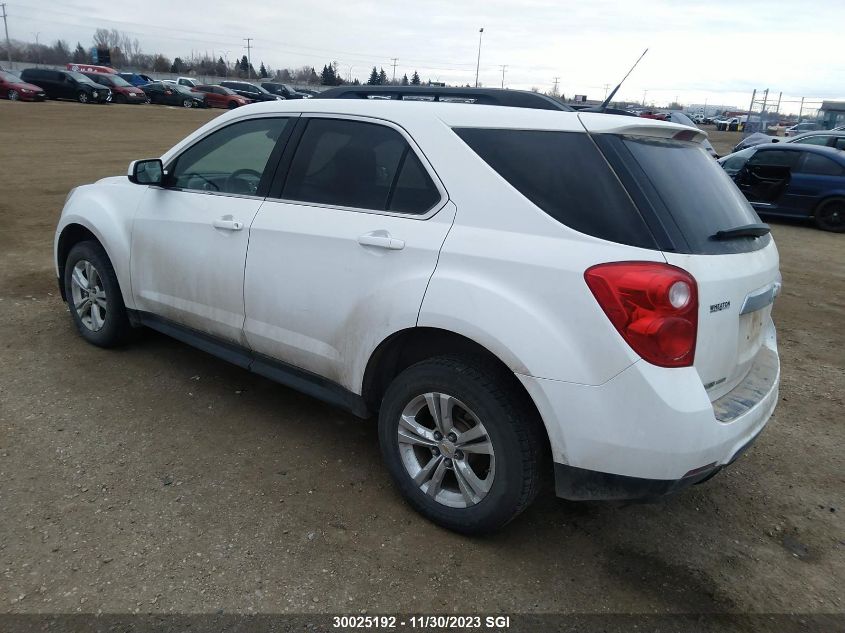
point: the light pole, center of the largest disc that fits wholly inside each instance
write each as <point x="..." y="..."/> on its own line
<point x="37" y="50"/>
<point x="226" y="57"/>
<point x="478" y="62"/>
<point x="504" y="67"/>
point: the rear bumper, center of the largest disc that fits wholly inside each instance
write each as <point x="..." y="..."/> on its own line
<point x="651" y="431"/>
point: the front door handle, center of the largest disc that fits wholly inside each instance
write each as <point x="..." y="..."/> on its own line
<point x="381" y="239"/>
<point x="227" y="224"/>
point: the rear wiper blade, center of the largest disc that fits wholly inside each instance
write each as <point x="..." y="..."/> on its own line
<point x="747" y="230"/>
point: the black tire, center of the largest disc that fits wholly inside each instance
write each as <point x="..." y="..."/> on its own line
<point x="511" y="423"/>
<point x="116" y="328"/>
<point x="83" y="97"/>
<point x="187" y="103"/>
<point x="830" y="215"/>
<point x="233" y="105"/>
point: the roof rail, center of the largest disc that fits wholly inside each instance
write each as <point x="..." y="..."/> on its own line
<point x="481" y="96"/>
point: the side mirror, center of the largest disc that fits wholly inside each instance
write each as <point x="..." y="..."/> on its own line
<point x="146" y="172"/>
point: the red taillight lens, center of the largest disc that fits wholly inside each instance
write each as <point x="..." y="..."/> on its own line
<point x="654" y="306"/>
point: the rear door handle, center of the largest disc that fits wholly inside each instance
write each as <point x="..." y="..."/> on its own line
<point x="381" y="239"/>
<point x="227" y="224"/>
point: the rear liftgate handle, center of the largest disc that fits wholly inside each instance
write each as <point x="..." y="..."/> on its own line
<point x="381" y="239"/>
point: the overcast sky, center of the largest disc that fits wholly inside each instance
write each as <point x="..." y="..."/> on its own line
<point x="719" y="50"/>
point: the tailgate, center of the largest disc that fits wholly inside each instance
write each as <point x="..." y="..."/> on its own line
<point x="735" y="294"/>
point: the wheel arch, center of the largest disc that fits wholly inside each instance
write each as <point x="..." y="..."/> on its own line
<point x="406" y="347"/>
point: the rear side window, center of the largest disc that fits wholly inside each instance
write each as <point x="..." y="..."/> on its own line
<point x="819" y="165"/>
<point x="565" y="175"/>
<point x="692" y="195"/>
<point x="361" y="165"/>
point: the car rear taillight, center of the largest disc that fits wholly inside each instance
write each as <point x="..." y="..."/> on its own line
<point x="654" y="307"/>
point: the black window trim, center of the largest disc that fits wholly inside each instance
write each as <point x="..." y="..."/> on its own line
<point x="273" y="161"/>
<point x="277" y="186"/>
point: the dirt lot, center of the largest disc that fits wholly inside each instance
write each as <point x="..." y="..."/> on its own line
<point x="157" y="478"/>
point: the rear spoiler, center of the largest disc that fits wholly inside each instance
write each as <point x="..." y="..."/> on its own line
<point x="596" y="123"/>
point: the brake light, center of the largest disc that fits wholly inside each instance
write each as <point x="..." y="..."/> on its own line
<point x="654" y="307"/>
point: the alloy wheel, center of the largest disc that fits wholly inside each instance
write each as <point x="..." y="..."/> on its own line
<point x="187" y="103"/>
<point x="831" y="216"/>
<point x="83" y="97"/>
<point x="446" y="450"/>
<point x="13" y="95"/>
<point x="89" y="295"/>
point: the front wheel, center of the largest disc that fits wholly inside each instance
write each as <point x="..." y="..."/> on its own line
<point x="461" y="443"/>
<point x="187" y="103"/>
<point x="82" y="96"/>
<point x="233" y="105"/>
<point x="13" y="95"/>
<point x="94" y="297"/>
<point x="830" y="215"/>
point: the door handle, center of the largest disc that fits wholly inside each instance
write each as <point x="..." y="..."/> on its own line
<point x="381" y="239"/>
<point x="227" y="224"/>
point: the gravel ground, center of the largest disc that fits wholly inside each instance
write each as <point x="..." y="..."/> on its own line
<point x="158" y="479"/>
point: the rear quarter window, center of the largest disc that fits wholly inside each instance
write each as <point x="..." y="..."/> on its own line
<point x="565" y="175"/>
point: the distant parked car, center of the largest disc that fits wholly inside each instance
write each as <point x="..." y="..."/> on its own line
<point x="250" y="91"/>
<point x="136" y="79"/>
<point x="829" y="138"/>
<point x="651" y="114"/>
<point x="221" y="97"/>
<point x="807" y="126"/>
<point x="121" y="90"/>
<point x="66" y="84"/>
<point x="284" y="90"/>
<point x="187" y="81"/>
<point x="792" y="180"/>
<point x="14" y="88"/>
<point x="172" y="94"/>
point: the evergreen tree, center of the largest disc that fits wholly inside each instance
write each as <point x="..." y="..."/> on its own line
<point x="80" y="56"/>
<point x="327" y="76"/>
<point x="244" y="65"/>
<point x="405" y="79"/>
<point x="382" y="78"/>
<point x="178" y="66"/>
<point x="263" y="71"/>
<point x="313" y="78"/>
<point x="415" y="79"/>
<point x="373" y="80"/>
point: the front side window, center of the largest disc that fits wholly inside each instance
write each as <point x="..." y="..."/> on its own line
<point x="775" y="158"/>
<point x="231" y="160"/>
<point x="361" y="165"/>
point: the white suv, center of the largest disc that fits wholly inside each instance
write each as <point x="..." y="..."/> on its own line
<point x="515" y="292"/>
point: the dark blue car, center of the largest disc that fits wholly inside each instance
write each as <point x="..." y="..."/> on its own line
<point x="792" y="180"/>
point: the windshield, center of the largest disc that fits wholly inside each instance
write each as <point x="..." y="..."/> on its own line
<point x="181" y="88"/>
<point x="81" y="78"/>
<point x="226" y="90"/>
<point x="118" y="81"/>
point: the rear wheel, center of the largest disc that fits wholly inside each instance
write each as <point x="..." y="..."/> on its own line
<point x="233" y="105"/>
<point x="82" y="96"/>
<point x="13" y="95"/>
<point x="187" y="103"/>
<point x="94" y="297"/>
<point x="830" y="215"/>
<point x="460" y="443"/>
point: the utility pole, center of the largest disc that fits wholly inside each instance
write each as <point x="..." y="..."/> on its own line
<point x="395" y="59"/>
<point x="248" y="41"/>
<point x="606" y="88"/>
<point x="8" y="44"/>
<point x="504" y="68"/>
<point x="478" y="62"/>
<point x="801" y="111"/>
<point x="554" y="90"/>
<point x="645" y="92"/>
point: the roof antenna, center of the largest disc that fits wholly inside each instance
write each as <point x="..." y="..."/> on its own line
<point x="604" y="104"/>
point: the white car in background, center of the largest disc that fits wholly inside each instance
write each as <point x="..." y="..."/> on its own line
<point x="513" y="291"/>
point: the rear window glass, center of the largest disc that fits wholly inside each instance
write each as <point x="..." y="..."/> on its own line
<point x="565" y="175"/>
<point x="691" y="191"/>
